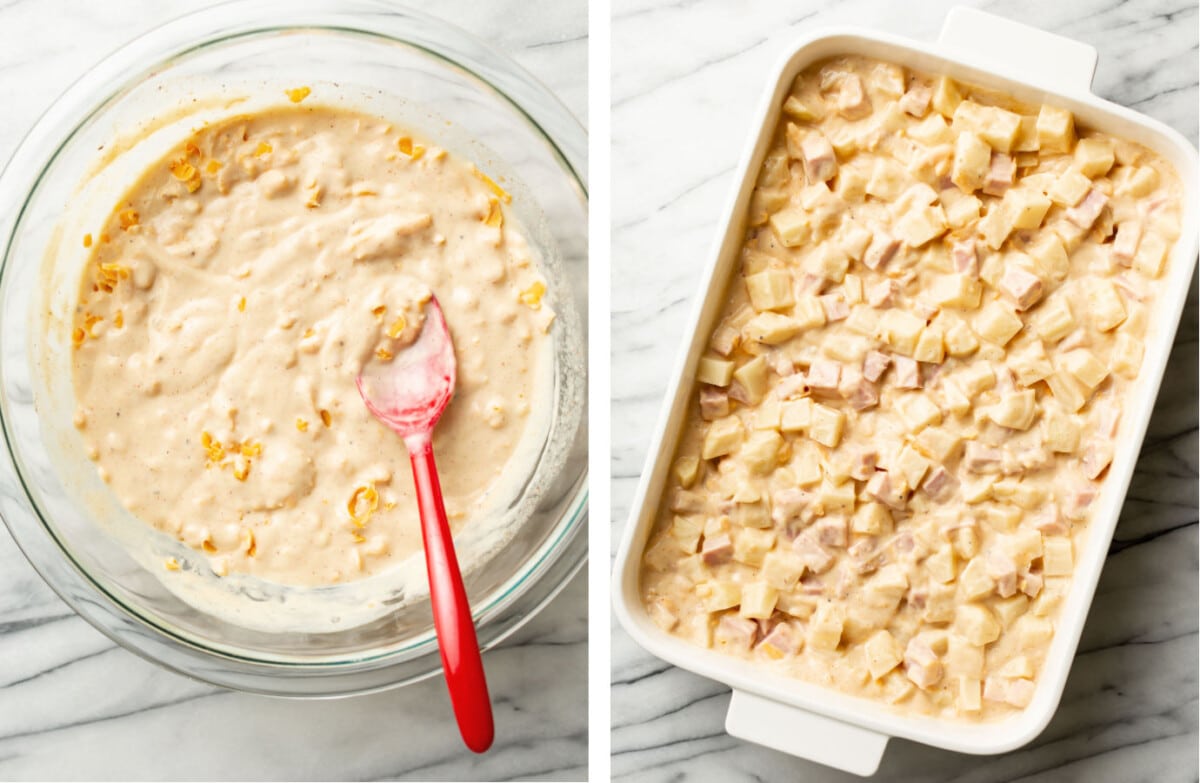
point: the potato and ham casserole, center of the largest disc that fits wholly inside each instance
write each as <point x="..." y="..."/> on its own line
<point x="911" y="397"/>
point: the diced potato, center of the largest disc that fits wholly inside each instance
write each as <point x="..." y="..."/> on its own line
<point x="974" y="582"/>
<point x="761" y="451"/>
<point x="1136" y="181"/>
<point x="972" y="157"/>
<point x="1151" y="256"/>
<point x="863" y="320"/>
<point x="872" y="519"/>
<point x="805" y="112"/>
<point x="1105" y="307"/>
<point x="994" y="125"/>
<point x="960" y="340"/>
<point x="1009" y="609"/>
<point x="931" y="130"/>
<point x="912" y="465"/>
<point x="719" y="594"/>
<point x="1067" y="391"/>
<point x="965" y="541"/>
<point x="836" y="497"/>
<point x="686" y="470"/>
<point x="931" y="346"/>
<point x="1069" y="189"/>
<point x="808" y="312"/>
<point x="1060" y="432"/>
<point x="1126" y="356"/>
<point x="770" y="290"/>
<point x="997" y="323"/>
<point x="796" y="415"/>
<point x="888" y="180"/>
<point x="723" y="436"/>
<point x="1026" y="206"/>
<point x="1055" y="129"/>
<point x="1029" y="362"/>
<point x="1027" y="496"/>
<point x="806" y="465"/>
<point x="686" y="531"/>
<point x="977" y="624"/>
<point x="963" y="211"/>
<point x="782" y="569"/>
<point x="977" y="490"/>
<point x="767" y="415"/>
<point x="917" y="411"/>
<point x="758" y="601"/>
<point x="1034" y="633"/>
<point x="1094" y="157"/>
<point x="1055" y="320"/>
<point x="940" y="444"/>
<point x="751" y="545"/>
<point x="883" y="653"/>
<point x="751" y="512"/>
<point x="826" y="425"/>
<point x="1057" y="557"/>
<point x="831" y="262"/>
<point x="921" y="224"/>
<point x="1051" y="596"/>
<point x="959" y="291"/>
<point x="753" y="378"/>
<point x="946" y="96"/>
<point x="1027" y="140"/>
<point x="1083" y="365"/>
<point x="793" y="226"/>
<point x="855" y="239"/>
<point x="901" y="330"/>
<point x="963" y="658"/>
<point x="969" y="694"/>
<point x="851" y="183"/>
<point x="716" y="372"/>
<point x="1015" y="410"/>
<point x="1002" y="517"/>
<point x="1050" y="257"/>
<point x="825" y="627"/>
<point x="941" y="565"/>
<point x="771" y="328"/>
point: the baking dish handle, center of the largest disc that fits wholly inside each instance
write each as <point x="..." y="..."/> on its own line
<point x="1035" y="56"/>
<point x="804" y="734"/>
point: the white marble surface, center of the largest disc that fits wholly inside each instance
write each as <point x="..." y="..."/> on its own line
<point x="74" y="706"/>
<point x="686" y="77"/>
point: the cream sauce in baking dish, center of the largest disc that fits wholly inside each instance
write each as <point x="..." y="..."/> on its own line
<point x="231" y="300"/>
<point x="912" y="395"/>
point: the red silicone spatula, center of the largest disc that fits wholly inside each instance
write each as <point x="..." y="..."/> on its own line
<point x="409" y="394"/>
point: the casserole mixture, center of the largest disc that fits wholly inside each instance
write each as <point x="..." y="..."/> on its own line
<point x="234" y="295"/>
<point x="911" y="398"/>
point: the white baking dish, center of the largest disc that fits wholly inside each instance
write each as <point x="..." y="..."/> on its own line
<point x="819" y="723"/>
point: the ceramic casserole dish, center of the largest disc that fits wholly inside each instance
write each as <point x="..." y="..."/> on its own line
<point x="818" y="723"/>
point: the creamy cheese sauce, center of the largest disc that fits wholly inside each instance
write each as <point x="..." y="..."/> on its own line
<point x="913" y="393"/>
<point x="234" y="295"/>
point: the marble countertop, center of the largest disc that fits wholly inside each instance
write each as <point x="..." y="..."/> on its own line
<point x="73" y="705"/>
<point x="686" y="78"/>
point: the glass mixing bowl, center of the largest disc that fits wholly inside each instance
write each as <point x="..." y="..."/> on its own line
<point x="67" y="174"/>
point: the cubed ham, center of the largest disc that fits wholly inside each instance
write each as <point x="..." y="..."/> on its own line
<point x="820" y="164"/>
<point x="810" y="584"/>
<point x="1015" y="691"/>
<point x="924" y="310"/>
<point x="810" y="284"/>
<point x="891" y="493"/>
<point x="1076" y="503"/>
<point x="1131" y="288"/>
<point x="791" y="386"/>
<point x="1049" y="522"/>
<point x="725" y="339"/>
<point x="874" y="365"/>
<point x="916" y="100"/>
<point x="979" y="458"/>
<point x="902" y="543"/>
<point x="717" y="549"/>
<point x="1097" y="456"/>
<point x="882" y="294"/>
<point x="881" y="250"/>
<point x="1022" y="286"/>
<point x="714" y="403"/>
<point x="835" y="307"/>
<point x="862" y="466"/>
<point x="686" y="502"/>
<point x="738" y="392"/>
<point x="852" y="102"/>
<point x="831" y="531"/>
<point x="1124" y="247"/>
<point x="908" y="373"/>
<point x="810" y="552"/>
<point x="939" y="484"/>
<point x="789" y="504"/>
<point x="780" y="642"/>
<point x="865" y="556"/>
<point x="781" y="364"/>
<point x="735" y="632"/>
<point x="1000" y="175"/>
<point x="1084" y="213"/>
<point x="823" y="375"/>
<point x="965" y="258"/>
<point x="847" y="580"/>
<point x="1108" y="419"/>
<point x="921" y="664"/>
<point x="1034" y="458"/>
<point x="857" y="390"/>
<point x="1001" y="567"/>
<point x="1030" y="583"/>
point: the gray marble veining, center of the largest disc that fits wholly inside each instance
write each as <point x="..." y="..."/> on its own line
<point x="73" y="705"/>
<point x="686" y="77"/>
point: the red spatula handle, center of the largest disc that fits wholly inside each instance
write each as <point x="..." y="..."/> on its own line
<point x="451" y="611"/>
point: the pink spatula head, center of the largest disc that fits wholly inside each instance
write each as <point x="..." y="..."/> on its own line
<point x="409" y="394"/>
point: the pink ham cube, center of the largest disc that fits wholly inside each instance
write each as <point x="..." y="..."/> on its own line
<point x="1084" y="213"/>
<point x="1022" y="286"/>
<point x="1001" y="174"/>
<point x="965" y="258"/>
<point x="874" y="365"/>
<point x="714" y="403"/>
<point x="908" y="373"/>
